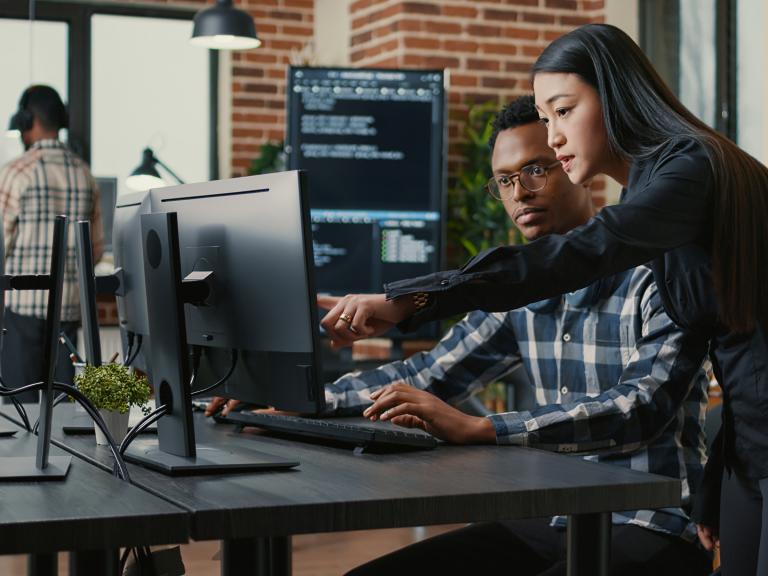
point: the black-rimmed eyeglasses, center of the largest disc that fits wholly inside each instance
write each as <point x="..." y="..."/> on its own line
<point x="532" y="177"/>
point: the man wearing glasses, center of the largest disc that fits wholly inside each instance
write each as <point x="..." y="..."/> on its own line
<point x="614" y="380"/>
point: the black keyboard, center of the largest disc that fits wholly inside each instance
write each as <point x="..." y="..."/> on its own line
<point x="374" y="436"/>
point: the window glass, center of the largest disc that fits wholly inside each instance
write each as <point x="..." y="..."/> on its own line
<point x="150" y="87"/>
<point x="30" y="53"/>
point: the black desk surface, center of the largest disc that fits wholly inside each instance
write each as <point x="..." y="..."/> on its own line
<point x="89" y="510"/>
<point x="333" y="489"/>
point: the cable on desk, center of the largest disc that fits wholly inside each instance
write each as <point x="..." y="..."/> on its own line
<point x="18" y="405"/>
<point x="142" y="425"/>
<point x="223" y="380"/>
<point x="70" y="390"/>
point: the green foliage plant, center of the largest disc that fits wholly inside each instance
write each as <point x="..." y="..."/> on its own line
<point x="271" y="158"/>
<point x="113" y="387"/>
<point x="476" y="221"/>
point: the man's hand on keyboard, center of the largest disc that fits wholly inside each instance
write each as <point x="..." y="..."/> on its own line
<point x="410" y="407"/>
<point x="219" y="403"/>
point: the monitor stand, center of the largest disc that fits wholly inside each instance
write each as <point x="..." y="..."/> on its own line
<point x="42" y="466"/>
<point x="175" y="450"/>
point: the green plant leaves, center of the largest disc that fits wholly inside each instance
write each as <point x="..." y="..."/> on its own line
<point x="114" y="387"/>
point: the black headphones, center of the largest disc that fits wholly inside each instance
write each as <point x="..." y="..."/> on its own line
<point x="23" y="119"/>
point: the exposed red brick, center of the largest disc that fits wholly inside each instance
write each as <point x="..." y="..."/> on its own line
<point x="360" y="38"/>
<point x="496" y="48"/>
<point x="420" y="8"/>
<point x="408" y="25"/>
<point x="522" y="33"/>
<point x="499" y="82"/>
<point x="463" y="80"/>
<point x="465" y="46"/>
<point x="532" y="51"/>
<point x="260" y="88"/>
<point x="460" y="11"/>
<point x="518" y="66"/>
<point x="284" y="15"/>
<point x="251" y="72"/>
<point x="438" y="27"/>
<point x="423" y="43"/>
<point x="306" y="4"/>
<point x="538" y="18"/>
<point x="593" y="4"/>
<point x="478" y="64"/>
<point x="482" y="31"/>
<point x="576" y="20"/>
<point x="503" y="15"/>
<point x="298" y="31"/>
<point x="562" y="4"/>
<point x="441" y="62"/>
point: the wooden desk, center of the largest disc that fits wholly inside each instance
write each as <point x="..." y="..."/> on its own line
<point x="335" y="490"/>
<point x="90" y="513"/>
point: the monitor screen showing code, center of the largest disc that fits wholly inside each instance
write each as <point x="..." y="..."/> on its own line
<point x="372" y="144"/>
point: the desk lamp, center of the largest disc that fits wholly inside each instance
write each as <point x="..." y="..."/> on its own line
<point x="146" y="176"/>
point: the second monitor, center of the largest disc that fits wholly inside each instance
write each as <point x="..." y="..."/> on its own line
<point x="251" y="238"/>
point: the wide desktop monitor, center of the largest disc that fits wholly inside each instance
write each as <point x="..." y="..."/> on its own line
<point x="373" y="143"/>
<point x="254" y="235"/>
<point x="227" y="266"/>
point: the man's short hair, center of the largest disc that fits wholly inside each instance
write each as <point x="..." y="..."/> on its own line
<point x="45" y="104"/>
<point x="519" y="112"/>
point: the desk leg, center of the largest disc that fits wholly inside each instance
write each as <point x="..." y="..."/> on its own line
<point x="88" y="562"/>
<point x="265" y="556"/>
<point x="43" y="565"/>
<point x="589" y="544"/>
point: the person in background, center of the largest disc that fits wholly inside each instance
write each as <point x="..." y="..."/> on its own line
<point x="46" y="181"/>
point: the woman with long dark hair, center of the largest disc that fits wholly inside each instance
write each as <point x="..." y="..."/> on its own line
<point x="694" y="205"/>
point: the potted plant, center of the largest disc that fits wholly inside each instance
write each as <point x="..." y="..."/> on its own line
<point x="113" y="389"/>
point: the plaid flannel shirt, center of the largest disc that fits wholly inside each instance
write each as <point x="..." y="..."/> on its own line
<point x="614" y="380"/>
<point x="47" y="180"/>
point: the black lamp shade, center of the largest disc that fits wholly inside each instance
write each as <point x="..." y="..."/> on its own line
<point x="224" y="27"/>
<point x="147" y="166"/>
<point x="146" y="175"/>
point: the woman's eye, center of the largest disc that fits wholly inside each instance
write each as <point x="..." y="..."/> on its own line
<point x="544" y="121"/>
<point x="562" y="111"/>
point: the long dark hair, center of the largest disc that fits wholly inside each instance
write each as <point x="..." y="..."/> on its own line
<point x="641" y="115"/>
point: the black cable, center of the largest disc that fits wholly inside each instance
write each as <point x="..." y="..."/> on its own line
<point x="141" y="425"/>
<point x="56" y="401"/>
<point x="18" y="405"/>
<point x="223" y="380"/>
<point x="131" y="358"/>
<point x="122" y="470"/>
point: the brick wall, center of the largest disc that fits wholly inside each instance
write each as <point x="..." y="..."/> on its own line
<point x="487" y="45"/>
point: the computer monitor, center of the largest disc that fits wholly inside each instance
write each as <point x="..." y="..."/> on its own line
<point x="373" y="143"/>
<point x="132" y="299"/>
<point x="254" y="234"/>
<point x="228" y="266"/>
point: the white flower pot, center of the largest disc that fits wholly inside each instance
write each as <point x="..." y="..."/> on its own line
<point x="116" y="423"/>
